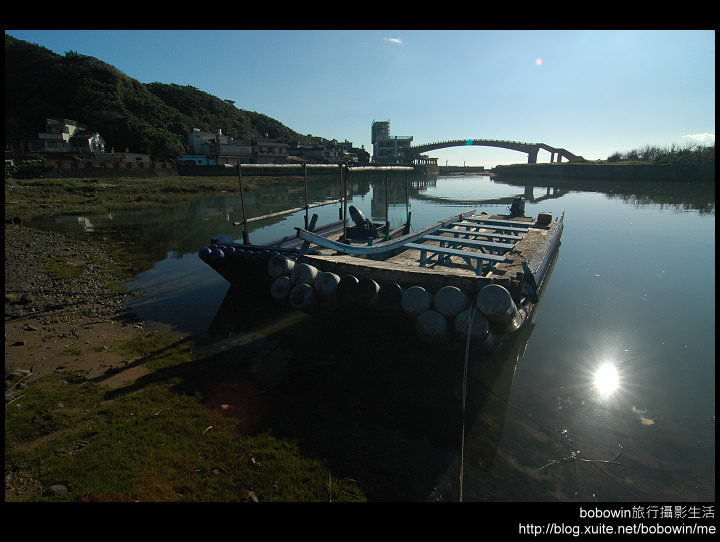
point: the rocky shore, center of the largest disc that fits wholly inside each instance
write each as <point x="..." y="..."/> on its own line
<point x="64" y="309"/>
<point x="64" y="306"/>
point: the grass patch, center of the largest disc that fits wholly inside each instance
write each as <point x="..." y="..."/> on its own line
<point x="72" y="351"/>
<point x="154" y="441"/>
<point x="60" y="268"/>
<point x="157" y="351"/>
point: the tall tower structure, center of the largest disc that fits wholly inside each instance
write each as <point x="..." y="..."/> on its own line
<point x="380" y="130"/>
<point x="386" y="148"/>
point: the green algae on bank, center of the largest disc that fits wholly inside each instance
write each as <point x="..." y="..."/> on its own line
<point x="76" y="432"/>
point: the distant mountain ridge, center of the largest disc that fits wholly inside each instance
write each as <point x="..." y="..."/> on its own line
<point x="152" y="118"/>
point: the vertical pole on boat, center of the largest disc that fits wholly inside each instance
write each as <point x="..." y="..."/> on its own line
<point x="340" y="200"/>
<point x="387" y="209"/>
<point x="407" y="202"/>
<point x="343" y="182"/>
<point x="304" y="167"/>
<point x="246" y="237"/>
<point x="461" y="474"/>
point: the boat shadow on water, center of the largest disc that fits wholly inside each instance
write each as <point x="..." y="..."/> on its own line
<point x="381" y="406"/>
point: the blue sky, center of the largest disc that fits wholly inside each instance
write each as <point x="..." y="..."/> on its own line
<point x="591" y="92"/>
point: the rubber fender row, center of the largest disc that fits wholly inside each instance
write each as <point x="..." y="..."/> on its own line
<point x="217" y="253"/>
<point x="436" y="315"/>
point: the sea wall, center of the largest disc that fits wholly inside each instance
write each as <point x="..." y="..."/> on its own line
<point x="164" y="169"/>
<point x="650" y="172"/>
<point x="460" y="170"/>
<point x="24" y="168"/>
<point x="275" y="170"/>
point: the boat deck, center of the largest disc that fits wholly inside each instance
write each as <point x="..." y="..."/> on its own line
<point x="507" y="248"/>
<point x="433" y="276"/>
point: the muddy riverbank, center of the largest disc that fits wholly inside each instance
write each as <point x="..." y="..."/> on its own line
<point x="92" y="394"/>
<point x="60" y="294"/>
<point x="64" y="311"/>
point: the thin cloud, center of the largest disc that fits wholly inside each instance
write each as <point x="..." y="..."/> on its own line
<point x="396" y="41"/>
<point x="703" y="139"/>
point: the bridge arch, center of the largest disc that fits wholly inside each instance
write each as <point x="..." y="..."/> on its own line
<point x="531" y="149"/>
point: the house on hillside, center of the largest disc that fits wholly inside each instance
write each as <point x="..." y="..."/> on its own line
<point x="318" y="154"/>
<point x="269" y="151"/>
<point x="214" y="148"/>
<point x="68" y="136"/>
<point x="333" y="153"/>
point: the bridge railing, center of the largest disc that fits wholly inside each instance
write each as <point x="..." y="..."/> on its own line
<point x="472" y="139"/>
<point x="528" y="146"/>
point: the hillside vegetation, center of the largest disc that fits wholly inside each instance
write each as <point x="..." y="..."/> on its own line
<point x="152" y="118"/>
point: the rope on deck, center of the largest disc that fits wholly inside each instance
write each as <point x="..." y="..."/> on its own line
<point x="461" y="474"/>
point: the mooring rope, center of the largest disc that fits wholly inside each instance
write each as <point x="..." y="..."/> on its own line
<point x="471" y="314"/>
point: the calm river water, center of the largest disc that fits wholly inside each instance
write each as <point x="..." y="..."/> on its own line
<point x="608" y="396"/>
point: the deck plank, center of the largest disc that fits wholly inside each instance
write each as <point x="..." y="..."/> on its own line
<point x="456" y="252"/>
<point x="470" y="242"/>
<point x="489" y="226"/>
<point x="469" y="233"/>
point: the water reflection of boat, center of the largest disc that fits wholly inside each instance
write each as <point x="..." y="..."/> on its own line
<point x="489" y="386"/>
<point x="488" y="389"/>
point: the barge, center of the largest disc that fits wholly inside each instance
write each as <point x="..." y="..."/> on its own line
<point x="475" y="274"/>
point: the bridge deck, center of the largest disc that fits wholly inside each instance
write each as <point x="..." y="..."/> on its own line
<point x="530" y="148"/>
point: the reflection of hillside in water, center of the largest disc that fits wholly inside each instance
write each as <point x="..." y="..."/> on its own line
<point x="676" y="195"/>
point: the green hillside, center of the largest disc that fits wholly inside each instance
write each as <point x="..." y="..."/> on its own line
<point x="152" y="118"/>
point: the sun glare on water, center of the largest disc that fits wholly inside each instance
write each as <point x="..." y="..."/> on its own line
<point x="606" y="379"/>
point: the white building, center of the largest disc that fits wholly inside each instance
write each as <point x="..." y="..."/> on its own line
<point x="387" y="148"/>
<point x="65" y="135"/>
<point x="219" y="148"/>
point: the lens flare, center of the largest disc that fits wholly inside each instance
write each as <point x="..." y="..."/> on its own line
<point x="606" y="379"/>
<point x="538" y="61"/>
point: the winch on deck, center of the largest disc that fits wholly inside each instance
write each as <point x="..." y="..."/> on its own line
<point x="363" y="229"/>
